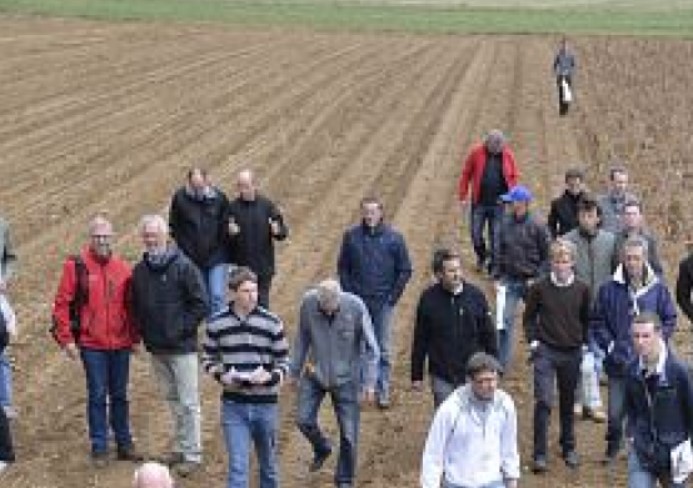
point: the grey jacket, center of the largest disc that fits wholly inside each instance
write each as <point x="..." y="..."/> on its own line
<point x="339" y="345"/>
<point x="612" y="210"/>
<point x="594" y="257"/>
<point x="8" y="258"/>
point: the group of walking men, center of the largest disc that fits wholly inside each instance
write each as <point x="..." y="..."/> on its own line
<point x="595" y="298"/>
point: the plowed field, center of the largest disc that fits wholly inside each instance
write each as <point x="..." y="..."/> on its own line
<point x="95" y="116"/>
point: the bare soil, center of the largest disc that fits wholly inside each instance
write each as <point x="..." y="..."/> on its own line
<point x="95" y="116"/>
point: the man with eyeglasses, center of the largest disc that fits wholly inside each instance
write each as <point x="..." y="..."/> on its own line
<point x="105" y="339"/>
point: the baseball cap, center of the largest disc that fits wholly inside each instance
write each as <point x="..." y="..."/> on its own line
<point x="519" y="193"/>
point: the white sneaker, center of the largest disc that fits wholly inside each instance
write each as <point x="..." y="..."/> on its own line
<point x="10" y="412"/>
<point x="3" y="466"/>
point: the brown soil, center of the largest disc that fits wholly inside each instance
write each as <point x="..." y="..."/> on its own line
<point x="96" y="116"/>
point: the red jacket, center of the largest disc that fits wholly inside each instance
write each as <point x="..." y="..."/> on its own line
<point x="105" y="319"/>
<point x="474" y="170"/>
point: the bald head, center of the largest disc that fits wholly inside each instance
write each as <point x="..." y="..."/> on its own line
<point x="152" y="475"/>
<point x="245" y="184"/>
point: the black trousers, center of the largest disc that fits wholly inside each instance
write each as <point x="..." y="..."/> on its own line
<point x="551" y="364"/>
<point x="264" y="283"/>
<point x="6" y="450"/>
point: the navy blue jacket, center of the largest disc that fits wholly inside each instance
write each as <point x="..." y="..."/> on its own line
<point x="668" y="416"/>
<point x="614" y="309"/>
<point x="374" y="264"/>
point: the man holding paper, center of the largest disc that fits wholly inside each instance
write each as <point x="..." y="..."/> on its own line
<point x="246" y="351"/>
<point x="659" y="406"/>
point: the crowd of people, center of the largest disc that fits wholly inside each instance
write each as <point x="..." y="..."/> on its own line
<point x="597" y="310"/>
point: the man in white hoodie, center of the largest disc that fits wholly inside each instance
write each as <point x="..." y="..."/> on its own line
<point x="472" y="442"/>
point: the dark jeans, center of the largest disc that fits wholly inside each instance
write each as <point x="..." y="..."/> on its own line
<point x="486" y="217"/>
<point x="616" y="413"/>
<point x="6" y="450"/>
<point x="441" y="390"/>
<point x="382" y="315"/>
<point x="264" y="283"/>
<point x="107" y="375"/>
<point x="345" y="402"/>
<point x="551" y="364"/>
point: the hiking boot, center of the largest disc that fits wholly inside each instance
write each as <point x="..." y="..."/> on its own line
<point x="129" y="453"/>
<point x="186" y="468"/>
<point x="540" y="465"/>
<point x="571" y="458"/>
<point x="99" y="459"/>
<point x="319" y="459"/>
<point x="596" y="415"/>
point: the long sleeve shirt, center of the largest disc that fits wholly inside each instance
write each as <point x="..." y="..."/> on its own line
<point x="338" y="344"/>
<point x="471" y="448"/>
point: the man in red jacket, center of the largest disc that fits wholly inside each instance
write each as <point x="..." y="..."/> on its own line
<point x="105" y="338"/>
<point x="492" y="172"/>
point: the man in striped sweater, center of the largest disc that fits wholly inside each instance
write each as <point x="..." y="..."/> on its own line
<point x="246" y="351"/>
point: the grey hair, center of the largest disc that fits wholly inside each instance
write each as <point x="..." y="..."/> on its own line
<point x="482" y="362"/>
<point x="328" y="293"/>
<point x="156" y="220"/>
<point x="635" y="241"/>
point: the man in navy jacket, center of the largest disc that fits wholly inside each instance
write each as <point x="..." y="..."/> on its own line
<point x="374" y="265"/>
<point x="659" y="410"/>
<point x="634" y="289"/>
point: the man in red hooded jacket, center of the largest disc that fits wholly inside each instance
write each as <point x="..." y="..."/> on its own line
<point x="106" y="337"/>
<point x="491" y="170"/>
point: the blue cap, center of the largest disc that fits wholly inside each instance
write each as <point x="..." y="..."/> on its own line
<point x="518" y="193"/>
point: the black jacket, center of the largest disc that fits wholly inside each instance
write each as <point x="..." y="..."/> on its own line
<point x="523" y="249"/>
<point x="199" y="227"/>
<point x="169" y="301"/>
<point x="254" y="245"/>
<point x="449" y="329"/>
<point x="684" y="287"/>
<point x="563" y="216"/>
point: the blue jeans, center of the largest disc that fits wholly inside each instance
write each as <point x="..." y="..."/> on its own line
<point x="107" y="375"/>
<point x="215" y="279"/>
<point x="347" y="410"/>
<point x="516" y="290"/>
<point x="616" y="413"/>
<point x="485" y="216"/>
<point x="242" y="422"/>
<point x="381" y="316"/>
<point x="639" y="477"/>
<point x="5" y="380"/>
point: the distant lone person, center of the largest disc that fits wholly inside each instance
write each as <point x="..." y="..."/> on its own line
<point x="564" y="68"/>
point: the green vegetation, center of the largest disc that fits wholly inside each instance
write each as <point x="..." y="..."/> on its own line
<point x="636" y="17"/>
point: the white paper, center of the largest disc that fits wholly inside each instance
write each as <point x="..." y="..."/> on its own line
<point x="681" y="461"/>
<point x="500" y="306"/>
<point x="8" y="313"/>
<point x="567" y="94"/>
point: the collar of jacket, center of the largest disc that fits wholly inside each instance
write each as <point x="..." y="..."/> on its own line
<point x="650" y="278"/>
<point x="373" y="231"/>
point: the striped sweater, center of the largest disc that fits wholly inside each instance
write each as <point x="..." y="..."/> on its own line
<point x="244" y="344"/>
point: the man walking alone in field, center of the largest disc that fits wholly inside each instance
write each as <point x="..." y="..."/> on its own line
<point x="93" y="292"/>
<point x="564" y="68"/>
<point x="374" y="265"/>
